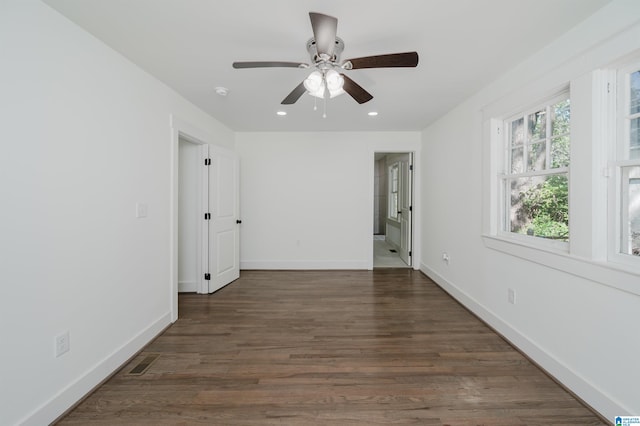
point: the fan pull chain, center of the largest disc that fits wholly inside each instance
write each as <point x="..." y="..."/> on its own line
<point x="324" y="113"/>
<point x="315" y="103"/>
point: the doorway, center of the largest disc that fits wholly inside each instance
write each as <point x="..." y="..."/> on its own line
<point x="393" y="210"/>
<point x="205" y="222"/>
<point x="208" y="222"/>
<point x="193" y="195"/>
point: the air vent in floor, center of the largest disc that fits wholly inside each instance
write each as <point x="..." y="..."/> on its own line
<point x="144" y="365"/>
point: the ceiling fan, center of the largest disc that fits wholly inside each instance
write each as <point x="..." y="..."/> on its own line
<point x="324" y="50"/>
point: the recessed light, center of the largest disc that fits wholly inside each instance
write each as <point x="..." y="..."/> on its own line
<point x="372" y="113"/>
<point x="222" y="91"/>
<point x="282" y="113"/>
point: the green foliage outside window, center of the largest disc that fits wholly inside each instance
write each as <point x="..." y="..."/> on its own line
<point x="540" y="204"/>
<point x="546" y="207"/>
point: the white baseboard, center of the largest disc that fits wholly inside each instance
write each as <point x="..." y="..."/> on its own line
<point x="187" y="287"/>
<point x="74" y="392"/>
<point x="303" y="264"/>
<point x="595" y="398"/>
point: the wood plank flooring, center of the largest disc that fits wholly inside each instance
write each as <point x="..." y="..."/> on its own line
<point x="330" y="348"/>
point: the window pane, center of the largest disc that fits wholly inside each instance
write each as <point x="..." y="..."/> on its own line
<point x="393" y="206"/>
<point x="540" y="206"/>
<point x="560" y="152"/>
<point x="517" y="132"/>
<point x="634" y="139"/>
<point x="634" y="95"/>
<point x="631" y="211"/>
<point x="537" y="157"/>
<point x="560" y="115"/>
<point x="517" y="163"/>
<point x="537" y="125"/>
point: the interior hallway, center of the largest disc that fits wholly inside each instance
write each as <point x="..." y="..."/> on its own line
<point x="383" y="257"/>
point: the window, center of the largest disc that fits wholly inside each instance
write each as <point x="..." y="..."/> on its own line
<point x="535" y="185"/>
<point x="627" y="164"/>
<point x="393" y="191"/>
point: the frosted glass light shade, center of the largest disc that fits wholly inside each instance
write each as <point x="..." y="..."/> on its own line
<point x="334" y="93"/>
<point x="315" y="84"/>
<point x="334" y="80"/>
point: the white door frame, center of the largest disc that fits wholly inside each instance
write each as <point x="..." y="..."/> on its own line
<point x="179" y="130"/>
<point x="415" y="225"/>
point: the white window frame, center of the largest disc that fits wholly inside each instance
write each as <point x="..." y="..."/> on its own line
<point x="618" y="205"/>
<point x="394" y="194"/>
<point x="505" y="174"/>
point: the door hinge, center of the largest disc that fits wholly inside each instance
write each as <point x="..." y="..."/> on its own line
<point x="207" y="216"/>
<point x="411" y="167"/>
<point x="410" y="208"/>
<point x="207" y="276"/>
<point x="409" y="253"/>
<point x="207" y="161"/>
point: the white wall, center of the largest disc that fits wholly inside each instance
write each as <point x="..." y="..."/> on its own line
<point x="307" y="198"/>
<point x="86" y="135"/>
<point x="571" y="315"/>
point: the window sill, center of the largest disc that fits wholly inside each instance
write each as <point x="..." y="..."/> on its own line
<point x="618" y="276"/>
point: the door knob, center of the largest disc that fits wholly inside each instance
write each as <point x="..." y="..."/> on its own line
<point x="238" y="221"/>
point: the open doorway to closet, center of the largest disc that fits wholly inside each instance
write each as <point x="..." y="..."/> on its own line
<point x="393" y="210"/>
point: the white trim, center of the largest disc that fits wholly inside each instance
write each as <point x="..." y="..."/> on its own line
<point x="203" y="228"/>
<point x="616" y="256"/>
<point x="585" y="390"/>
<point x="303" y="264"/>
<point x="179" y="130"/>
<point x="545" y="172"/>
<point x="74" y="392"/>
<point x="619" y="116"/>
<point x="605" y="273"/>
<point x="187" y="286"/>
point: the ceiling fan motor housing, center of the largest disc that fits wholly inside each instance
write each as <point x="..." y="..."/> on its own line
<point x="322" y="61"/>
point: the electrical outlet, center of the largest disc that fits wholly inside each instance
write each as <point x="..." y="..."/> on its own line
<point x="62" y="344"/>
<point x="511" y="296"/>
<point x="141" y="210"/>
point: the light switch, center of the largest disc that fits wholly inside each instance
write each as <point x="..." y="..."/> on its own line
<point x="141" y="210"/>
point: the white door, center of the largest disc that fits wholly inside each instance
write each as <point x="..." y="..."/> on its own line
<point x="405" y="207"/>
<point x="193" y="231"/>
<point x="224" y="224"/>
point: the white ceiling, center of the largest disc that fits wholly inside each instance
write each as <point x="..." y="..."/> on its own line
<point x="190" y="45"/>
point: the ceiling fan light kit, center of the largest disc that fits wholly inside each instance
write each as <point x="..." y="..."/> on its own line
<point x="319" y="82"/>
<point x="327" y="80"/>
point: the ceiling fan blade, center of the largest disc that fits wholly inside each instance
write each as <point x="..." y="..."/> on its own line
<point x="408" y="59"/>
<point x="295" y="94"/>
<point x="356" y="91"/>
<point x="269" y="64"/>
<point x="325" y="28"/>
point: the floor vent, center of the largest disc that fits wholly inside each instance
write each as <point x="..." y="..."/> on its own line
<point x="144" y="365"/>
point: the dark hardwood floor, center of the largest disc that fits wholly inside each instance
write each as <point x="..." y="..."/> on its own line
<point x="330" y="348"/>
